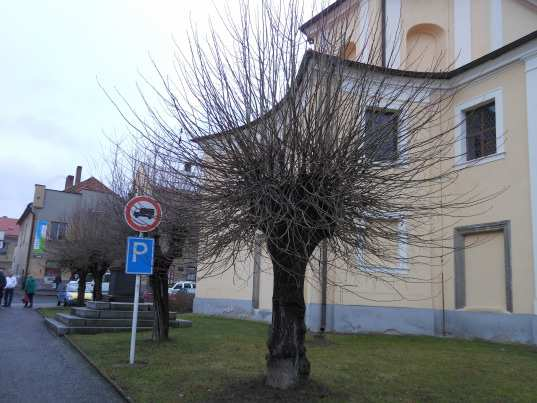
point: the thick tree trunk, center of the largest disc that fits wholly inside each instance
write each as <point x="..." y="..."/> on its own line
<point x="287" y="365"/>
<point x="98" y="285"/>
<point x="81" y="287"/>
<point x="159" y="285"/>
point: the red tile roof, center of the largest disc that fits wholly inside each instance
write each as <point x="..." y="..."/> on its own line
<point x="9" y="226"/>
<point x="90" y="184"/>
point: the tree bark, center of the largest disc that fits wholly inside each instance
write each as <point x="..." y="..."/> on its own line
<point x="81" y="287"/>
<point x="98" y="285"/>
<point x="159" y="285"/>
<point x="287" y="365"/>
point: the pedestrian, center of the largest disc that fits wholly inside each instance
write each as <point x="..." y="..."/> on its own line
<point x="29" y="289"/>
<point x="57" y="281"/>
<point x="2" y="283"/>
<point x="61" y="294"/>
<point x="11" y="283"/>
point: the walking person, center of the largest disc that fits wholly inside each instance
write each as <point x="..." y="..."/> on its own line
<point x="61" y="294"/>
<point x="11" y="283"/>
<point x="29" y="289"/>
<point x="57" y="281"/>
<point x="2" y="283"/>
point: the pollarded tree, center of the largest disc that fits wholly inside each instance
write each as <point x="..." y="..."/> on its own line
<point x="301" y="146"/>
<point x="89" y="245"/>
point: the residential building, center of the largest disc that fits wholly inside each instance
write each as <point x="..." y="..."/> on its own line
<point x="45" y="219"/>
<point x="9" y="234"/>
<point x="489" y="290"/>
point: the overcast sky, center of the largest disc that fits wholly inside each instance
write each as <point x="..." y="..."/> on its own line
<point x="53" y="115"/>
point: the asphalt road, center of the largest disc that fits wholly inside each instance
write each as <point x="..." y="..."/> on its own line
<point x="36" y="366"/>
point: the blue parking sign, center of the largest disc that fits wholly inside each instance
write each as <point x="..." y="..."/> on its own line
<point x="139" y="255"/>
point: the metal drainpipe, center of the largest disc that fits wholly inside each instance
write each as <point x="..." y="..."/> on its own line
<point x="324" y="281"/>
<point x="383" y="30"/>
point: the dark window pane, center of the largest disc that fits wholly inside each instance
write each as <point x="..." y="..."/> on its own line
<point x="481" y="131"/>
<point x="381" y="135"/>
<point x="57" y="231"/>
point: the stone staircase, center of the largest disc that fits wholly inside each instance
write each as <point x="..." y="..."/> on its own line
<point x="101" y="317"/>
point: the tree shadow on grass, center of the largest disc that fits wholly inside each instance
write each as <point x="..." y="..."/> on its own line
<point x="254" y="390"/>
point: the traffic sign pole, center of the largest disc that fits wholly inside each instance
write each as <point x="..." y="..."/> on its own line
<point x="143" y="214"/>
<point x="135" y="316"/>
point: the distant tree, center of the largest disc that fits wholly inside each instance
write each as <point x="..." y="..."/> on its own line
<point x="299" y="146"/>
<point x="89" y="246"/>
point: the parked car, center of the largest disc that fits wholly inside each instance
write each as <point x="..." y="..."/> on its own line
<point x="105" y="285"/>
<point x="183" y="286"/>
<point x="71" y="292"/>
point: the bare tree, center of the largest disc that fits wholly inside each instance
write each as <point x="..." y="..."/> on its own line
<point x="302" y="147"/>
<point x="89" y="245"/>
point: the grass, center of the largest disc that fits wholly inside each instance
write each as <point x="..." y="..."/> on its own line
<point x="222" y="360"/>
<point x="50" y="312"/>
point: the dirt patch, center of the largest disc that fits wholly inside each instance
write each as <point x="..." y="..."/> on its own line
<point x="254" y="390"/>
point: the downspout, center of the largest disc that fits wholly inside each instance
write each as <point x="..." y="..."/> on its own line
<point x="383" y="31"/>
<point x="30" y="243"/>
<point x="324" y="281"/>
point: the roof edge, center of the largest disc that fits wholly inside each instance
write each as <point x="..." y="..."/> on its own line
<point x="26" y="211"/>
<point x="394" y="72"/>
<point x="320" y="15"/>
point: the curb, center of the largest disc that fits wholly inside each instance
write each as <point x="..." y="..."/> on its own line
<point x="118" y="389"/>
<point x="121" y="392"/>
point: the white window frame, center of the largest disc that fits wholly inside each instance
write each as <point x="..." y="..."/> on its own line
<point x="460" y="131"/>
<point x="403" y="267"/>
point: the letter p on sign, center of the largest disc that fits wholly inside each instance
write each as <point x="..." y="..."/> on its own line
<point x="140" y="248"/>
<point x="140" y="256"/>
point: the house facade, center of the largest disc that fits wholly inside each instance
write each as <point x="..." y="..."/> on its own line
<point x="487" y="287"/>
<point x="9" y="234"/>
<point x="45" y="219"/>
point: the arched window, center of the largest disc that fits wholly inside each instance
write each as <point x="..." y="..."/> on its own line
<point x="425" y="48"/>
<point x="348" y="51"/>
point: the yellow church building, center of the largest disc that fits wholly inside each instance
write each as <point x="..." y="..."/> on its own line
<point x="486" y="288"/>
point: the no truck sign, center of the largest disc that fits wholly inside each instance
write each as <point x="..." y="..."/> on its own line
<point x="143" y="213"/>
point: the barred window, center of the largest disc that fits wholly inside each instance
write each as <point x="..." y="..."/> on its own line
<point x="480" y="131"/>
<point x="381" y="137"/>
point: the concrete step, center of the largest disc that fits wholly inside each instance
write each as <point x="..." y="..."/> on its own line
<point x="85" y="312"/>
<point x="70" y="320"/>
<point x="96" y="313"/>
<point x="58" y="328"/>
<point x="76" y="321"/>
<point x="98" y="329"/>
<point x="61" y="329"/>
<point x="98" y="305"/>
<point x="180" y="323"/>
<point x="129" y="306"/>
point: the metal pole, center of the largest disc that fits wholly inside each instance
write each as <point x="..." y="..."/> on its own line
<point x="324" y="283"/>
<point x="443" y="308"/>
<point x="135" y="315"/>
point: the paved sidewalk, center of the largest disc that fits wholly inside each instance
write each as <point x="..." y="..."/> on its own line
<point x="39" y="367"/>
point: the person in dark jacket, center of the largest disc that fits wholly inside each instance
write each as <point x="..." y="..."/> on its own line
<point x="29" y="289"/>
<point x="2" y="283"/>
<point x="57" y="281"/>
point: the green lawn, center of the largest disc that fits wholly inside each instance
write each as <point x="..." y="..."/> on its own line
<point x="50" y="312"/>
<point x="223" y="360"/>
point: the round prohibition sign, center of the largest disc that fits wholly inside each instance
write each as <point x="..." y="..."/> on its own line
<point x="143" y="213"/>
